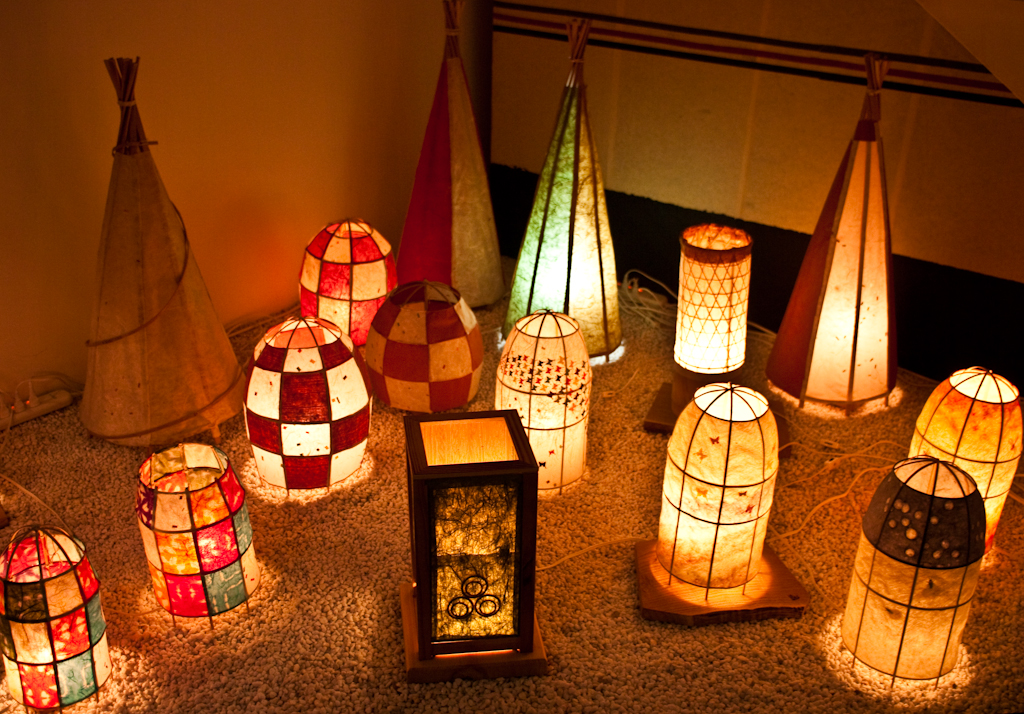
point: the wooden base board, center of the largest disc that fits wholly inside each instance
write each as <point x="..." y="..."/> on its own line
<point x="773" y="593"/>
<point x="474" y="665"/>
<point x="661" y="419"/>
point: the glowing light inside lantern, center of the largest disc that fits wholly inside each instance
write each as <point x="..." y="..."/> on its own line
<point x="916" y="569"/>
<point x="973" y="419"/>
<point x="52" y="629"/>
<point x="347" y="272"/>
<point x="714" y="285"/>
<point x="718" y="489"/>
<point x="195" y="528"/>
<point x="544" y="373"/>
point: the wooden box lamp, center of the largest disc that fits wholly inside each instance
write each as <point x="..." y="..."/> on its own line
<point x="473" y="524"/>
<point x="52" y="629"/>
<point x="916" y="569"/>
<point x="709" y="563"/>
<point x="973" y="419"/>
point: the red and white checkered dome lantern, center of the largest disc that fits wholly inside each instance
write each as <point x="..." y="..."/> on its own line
<point x="195" y="528"/>
<point x="347" y="272"/>
<point x="424" y="351"/>
<point x="51" y="622"/>
<point x="307" y="408"/>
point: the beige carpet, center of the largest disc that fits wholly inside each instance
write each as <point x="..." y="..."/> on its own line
<point x="323" y="632"/>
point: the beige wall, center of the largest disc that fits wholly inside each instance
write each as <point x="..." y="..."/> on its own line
<point x="272" y="118"/>
<point x="764" y="147"/>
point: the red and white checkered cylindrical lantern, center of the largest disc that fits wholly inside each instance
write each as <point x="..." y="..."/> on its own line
<point x="347" y="272"/>
<point x="195" y="528"/>
<point x="307" y="408"/>
<point x="51" y="622"/>
<point x="424" y="351"/>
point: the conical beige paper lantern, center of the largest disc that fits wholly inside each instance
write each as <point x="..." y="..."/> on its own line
<point x="566" y="262"/>
<point x="837" y="341"/>
<point x="160" y="367"/>
<point x="449" y="235"/>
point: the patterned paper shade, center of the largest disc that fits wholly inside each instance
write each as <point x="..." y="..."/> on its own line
<point x="974" y="420"/>
<point x="567" y="262"/>
<point x="714" y="284"/>
<point x="307" y="408"/>
<point x="719" y="484"/>
<point x="424" y="351"/>
<point x="544" y="373"/>
<point x="195" y="528"/>
<point x="837" y="340"/>
<point x="346" y="274"/>
<point x="916" y="569"/>
<point x="52" y="626"/>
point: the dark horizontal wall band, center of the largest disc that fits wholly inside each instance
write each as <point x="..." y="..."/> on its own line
<point x="946" y="318"/>
<point x="753" y="39"/>
<point x="777" y="68"/>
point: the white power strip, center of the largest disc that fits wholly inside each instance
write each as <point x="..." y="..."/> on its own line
<point x="44" y="404"/>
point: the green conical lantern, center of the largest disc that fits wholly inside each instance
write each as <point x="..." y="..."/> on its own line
<point x="566" y="262"/>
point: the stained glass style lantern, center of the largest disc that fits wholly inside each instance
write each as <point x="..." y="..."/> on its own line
<point x="719" y="484"/>
<point x="195" y="529"/>
<point x="973" y="419"/>
<point x="307" y="407"/>
<point x="544" y="373"/>
<point x="449" y="234"/>
<point x="473" y="524"/>
<point x="424" y="352"/>
<point x="346" y="274"/>
<point x="916" y="568"/>
<point x="837" y="341"/>
<point x="51" y="626"/>
<point x="566" y="262"/>
<point x="714" y="285"/>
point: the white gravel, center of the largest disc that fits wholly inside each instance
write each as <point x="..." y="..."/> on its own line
<point x="323" y="632"/>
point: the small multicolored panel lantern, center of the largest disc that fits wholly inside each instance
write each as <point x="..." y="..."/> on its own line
<point x="545" y="374"/>
<point x="714" y="285"/>
<point x="974" y="420"/>
<point x="307" y="408"/>
<point x="473" y="514"/>
<point x="51" y="627"/>
<point x="719" y="483"/>
<point x="347" y="272"/>
<point x="424" y="351"/>
<point x="195" y="528"/>
<point x="916" y="569"/>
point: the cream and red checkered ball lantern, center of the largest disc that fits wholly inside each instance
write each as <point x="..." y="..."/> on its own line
<point x="424" y="351"/>
<point x="347" y="272"/>
<point x="307" y="408"/>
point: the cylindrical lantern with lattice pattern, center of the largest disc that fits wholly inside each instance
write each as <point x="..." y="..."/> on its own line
<point x="195" y="528"/>
<point x="51" y="622"/>
<point x="544" y="373"/>
<point x="307" y="407"/>
<point x="347" y="272"/>
<point x="723" y="456"/>
<point x="916" y="569"/>
<point x="714" y="285"/>
<point x="974" y="420"/>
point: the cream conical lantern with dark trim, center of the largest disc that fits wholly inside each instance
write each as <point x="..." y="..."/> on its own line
<point x="566" y="262"/>
<point x="837" y="340"/>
